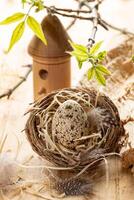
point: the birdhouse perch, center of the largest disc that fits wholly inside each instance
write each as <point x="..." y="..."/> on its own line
<point x="51" y="63"/>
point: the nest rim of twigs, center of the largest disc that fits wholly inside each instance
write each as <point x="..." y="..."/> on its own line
<point x="113" y="141"/>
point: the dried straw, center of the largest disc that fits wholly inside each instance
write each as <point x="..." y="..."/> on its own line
<point x="39" y="129"/>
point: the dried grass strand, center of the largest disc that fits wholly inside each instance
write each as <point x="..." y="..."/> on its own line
<point x="44" y="141"/>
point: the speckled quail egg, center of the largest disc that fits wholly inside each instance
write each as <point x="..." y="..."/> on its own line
<point x="69" y="123"/>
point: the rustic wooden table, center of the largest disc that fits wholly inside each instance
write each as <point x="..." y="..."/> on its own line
<point x="12" y="120"/>
<point x="119" y="185"/>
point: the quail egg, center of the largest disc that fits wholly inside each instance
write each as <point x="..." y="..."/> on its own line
<point x="69" y="123"/>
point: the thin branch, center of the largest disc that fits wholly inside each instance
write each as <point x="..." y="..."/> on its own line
<point x="71" y="24"/>
<point x="105" y="24"/>
<point x="64" y="12"/>
<point x="10" y="91"/>
<point x="71" y="16"/>
<point x="95" y="24"/>
<point x="123" y="31"/>
<point x="74" y="20"/>
<point x="126" y="121"/>
<point x="53" y="8"/>
<point x="84" y="1"/>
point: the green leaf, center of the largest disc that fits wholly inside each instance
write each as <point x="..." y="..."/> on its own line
<point x="39" y="4"/>
<point x="95" y="48"/>
<point x="36" y="28"/>
<point x="13" y="18"/>
<point x="79" y="48"/>
<point x="101" y="56"/>
<point x="103" y="69"/>
<point x="90" y="73"/>
<point x="79" y="56"/>
<point x="79" y="64"/>
<point x="80" y="52"/>
<point x="17" y="34"/>
<point x="100" y="78"/>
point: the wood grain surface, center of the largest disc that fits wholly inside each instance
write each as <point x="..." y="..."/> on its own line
<point x="120" y="184"/>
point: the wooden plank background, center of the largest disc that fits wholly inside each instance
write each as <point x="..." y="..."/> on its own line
<point x="12" y="119"/>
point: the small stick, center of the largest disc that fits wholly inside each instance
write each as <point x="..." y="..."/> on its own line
<point x="74" y="16"/>
<point x="74" y="20"/>
<point x="2" y="143"/>
<point x="43" y="166"/>
<point x="122" y="30"/>
<point x="95" y="20"/>
<point x="126" y="121"/>
<point x="53" y="9"/>
<point x="11" y="90"/>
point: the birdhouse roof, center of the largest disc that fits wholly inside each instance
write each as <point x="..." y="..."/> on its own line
<point x="57" y="40"/>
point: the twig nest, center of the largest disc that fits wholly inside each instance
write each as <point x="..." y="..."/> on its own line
<point x="67" y="126"/>
<point x="69" y="123"/>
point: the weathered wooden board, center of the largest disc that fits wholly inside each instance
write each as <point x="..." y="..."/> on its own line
<point x="120" y="184"/>
<point x="12" y="121"/>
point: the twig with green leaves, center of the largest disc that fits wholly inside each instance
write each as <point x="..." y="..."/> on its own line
<point x="38" y="5"/>
<point x="90" y="53"/>
<point x="94" y="59"/>
<point x="19" y="30"/>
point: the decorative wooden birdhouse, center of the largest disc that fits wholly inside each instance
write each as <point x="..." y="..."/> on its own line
<point x="51" y="63"/>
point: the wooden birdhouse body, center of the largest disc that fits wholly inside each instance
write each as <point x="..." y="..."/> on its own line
<point x="51" y="63"/>
<point x="49" y="75"/>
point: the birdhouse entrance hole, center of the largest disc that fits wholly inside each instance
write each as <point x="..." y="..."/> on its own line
<point x="43" y="74"/>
